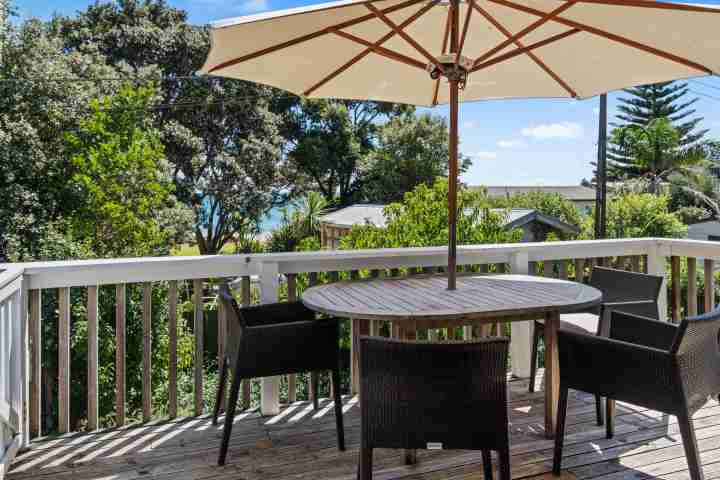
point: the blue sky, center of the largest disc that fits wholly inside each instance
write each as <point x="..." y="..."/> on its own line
<point x="514" y="142"/>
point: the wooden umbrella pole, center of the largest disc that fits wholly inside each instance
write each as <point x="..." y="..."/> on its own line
<point x="453" y="160"/>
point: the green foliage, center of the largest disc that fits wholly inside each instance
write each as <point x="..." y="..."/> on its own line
<point x="689" y="214"/>
<point x="411" y="150"/>
<point x="120" y="173"/>
<point x="302" y="224"/>
<point x="552" y="204"/>
<point x="634" y="215"/>
<point x="421" y="220"/>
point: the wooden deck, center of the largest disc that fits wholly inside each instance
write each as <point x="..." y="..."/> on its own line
<point x="300" y="444"/>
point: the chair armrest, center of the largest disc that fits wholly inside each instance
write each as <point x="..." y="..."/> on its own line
<point x="629" y="302"/>
<point x="276" y="313"/>
<point x="642" y="331"/>
<point x="617" y="369"/>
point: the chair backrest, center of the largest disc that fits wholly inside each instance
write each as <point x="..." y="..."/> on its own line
<point x="418" y="394"/>
<point x="234" y="319"/>
<point x="624" y="286"/>
<point x="697" y="347"/>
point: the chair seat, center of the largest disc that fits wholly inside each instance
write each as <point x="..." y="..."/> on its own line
<point x="578" y="322"/>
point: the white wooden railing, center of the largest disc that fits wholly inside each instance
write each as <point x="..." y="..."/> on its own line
<point x="266" y="278"/>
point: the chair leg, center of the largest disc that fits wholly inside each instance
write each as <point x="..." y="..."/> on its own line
<point x="487" y="464"/>
<point x="690" y="444"/>
<point x="365" y="463"/>
<point x="534" y="357"/>
<point x="315" y="386"/>
<point x="338" y="410"/>
<point x="599" y="410"/>
<point x="609" y="418"/>
<point x="220" y="390"/>
<point x="504" y="462"/>
<point x="229" y="417"/>
<point x="560" y="430"/>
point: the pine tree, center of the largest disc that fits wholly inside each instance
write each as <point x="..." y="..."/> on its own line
<point x="645" y="104"/>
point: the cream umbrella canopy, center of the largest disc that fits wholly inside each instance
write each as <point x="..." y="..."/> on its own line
<point x="427" y="53"/>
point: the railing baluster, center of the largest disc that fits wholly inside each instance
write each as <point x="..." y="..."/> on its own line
<point x="549" y="269"/>
<point x="120" y="303"/>
<point x="312" y="394"/>
<point x="580" y="270"/>
<point x="64" y="360"/>
<point x="246" y="300"/>
<point x="92" y="357"/>
<point x="334" y="276"/>
<point x="147" y="352"/>
<point x="562" y="269"/>
<point x="35" y="336"/>
<point x="172" y="340"/>
<point x="709" y="267"/>
<point x="199" y="327"/>
<point x="292" y="297"/>
<point x="692" y="286"/>
<point x="675" y="300"/>
<point x="636" y="263"/>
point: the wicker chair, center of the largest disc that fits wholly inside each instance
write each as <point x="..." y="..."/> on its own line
<point x="622" y="291"/>
<point x="656" y="365"/>
<point x="418" y="395"/>
<point x="276" y="339"/>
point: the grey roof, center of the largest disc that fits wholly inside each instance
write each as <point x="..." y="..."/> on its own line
<point x="361" y="214"/>
<point x="570" y="192"/>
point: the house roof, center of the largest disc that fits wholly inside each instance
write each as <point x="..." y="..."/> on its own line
<point x="570" y="192"/>
<point x="361" y="214"/>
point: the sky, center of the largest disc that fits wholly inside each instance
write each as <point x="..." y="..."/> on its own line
<point x="510" y="142"/>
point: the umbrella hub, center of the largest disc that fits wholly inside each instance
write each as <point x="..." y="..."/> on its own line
<point x="451" y="67"/>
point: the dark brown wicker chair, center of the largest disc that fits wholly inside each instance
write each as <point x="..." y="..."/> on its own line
<point x="624" y="291"/>
<point x="656" y="365"/>
<point x="418" y="395"/>
<point x="276" y="339"/>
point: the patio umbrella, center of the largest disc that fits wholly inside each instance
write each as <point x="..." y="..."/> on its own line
<point x="435" y="52"/>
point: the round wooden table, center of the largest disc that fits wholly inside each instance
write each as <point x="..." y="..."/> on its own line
<point x="420" y="302"/>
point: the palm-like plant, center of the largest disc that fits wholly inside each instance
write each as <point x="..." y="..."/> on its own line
<point x="654" y="152"/>
<point x="309" y="210"/>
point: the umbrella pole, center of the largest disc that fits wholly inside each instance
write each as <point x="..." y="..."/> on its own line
<point x="453" y="81"/>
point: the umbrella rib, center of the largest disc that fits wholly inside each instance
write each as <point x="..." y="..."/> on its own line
<point x="446" y="36"/>
<point x="374" y="47"/>
<point x="405" y="36"/>
<point x="520" y="51"/>
<point x="466" y="24"/>
<point x="610" y="36"/>
<point x="546" y="17"/>
<point x="654" y="4"/>
<point x="530" y="54"/>
<point x="310" y="36"/>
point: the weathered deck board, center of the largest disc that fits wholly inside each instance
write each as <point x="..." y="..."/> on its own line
<point x="300" y="444"/>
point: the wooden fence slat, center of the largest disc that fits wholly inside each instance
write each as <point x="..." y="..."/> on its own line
<point x="35" y="336"/>
<point x="675" y="300"/>
<point x="692" y="309"/>
<point x="292" y="297"/>
<point x="172" y="337"/>
<point x="64" y="360"/>
<point x="120" y="333"/>
<point x="92" y="357"/>
<point x="198" y="330"/>
<point x="147" y="353"/>
<point x="709" y="268"/>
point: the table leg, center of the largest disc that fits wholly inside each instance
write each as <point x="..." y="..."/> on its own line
<point x="357" y="327"/>
<point x="552" y="372"/>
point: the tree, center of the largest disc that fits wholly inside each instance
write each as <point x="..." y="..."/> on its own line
<point x="552" y="204"/>
<point x="411" y="150"/>
<point x="328" y="141"/>
<point x="220" y="135"/>
<point x="421" y="220"/>
<point x="654" y="152"/>
<point x="638" y="215"/>
<point x="120" y="173"/>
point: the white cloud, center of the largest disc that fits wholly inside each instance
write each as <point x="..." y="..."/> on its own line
<point x="251" y="6"/>
<point x="490" y="155"/>
<point x="564" y="130"/>
<point x="510" y="144"/>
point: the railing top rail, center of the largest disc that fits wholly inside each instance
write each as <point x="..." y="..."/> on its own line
<point x="130" y="270"/>
<point x="10" y="280"/>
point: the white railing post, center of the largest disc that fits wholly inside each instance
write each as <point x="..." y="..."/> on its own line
<point x="657" y="265"/>
<point x="269" y="293"/>
<point x="521" y="332"/>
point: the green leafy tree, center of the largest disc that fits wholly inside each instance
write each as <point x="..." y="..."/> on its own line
<point x="120" y="173"/>
<point x="411" y="150"/>
<point x="552" y="204"/>
<point x="421" y="220"/>
<point x="654" y="152"/>
<point x="637" y="215"/>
